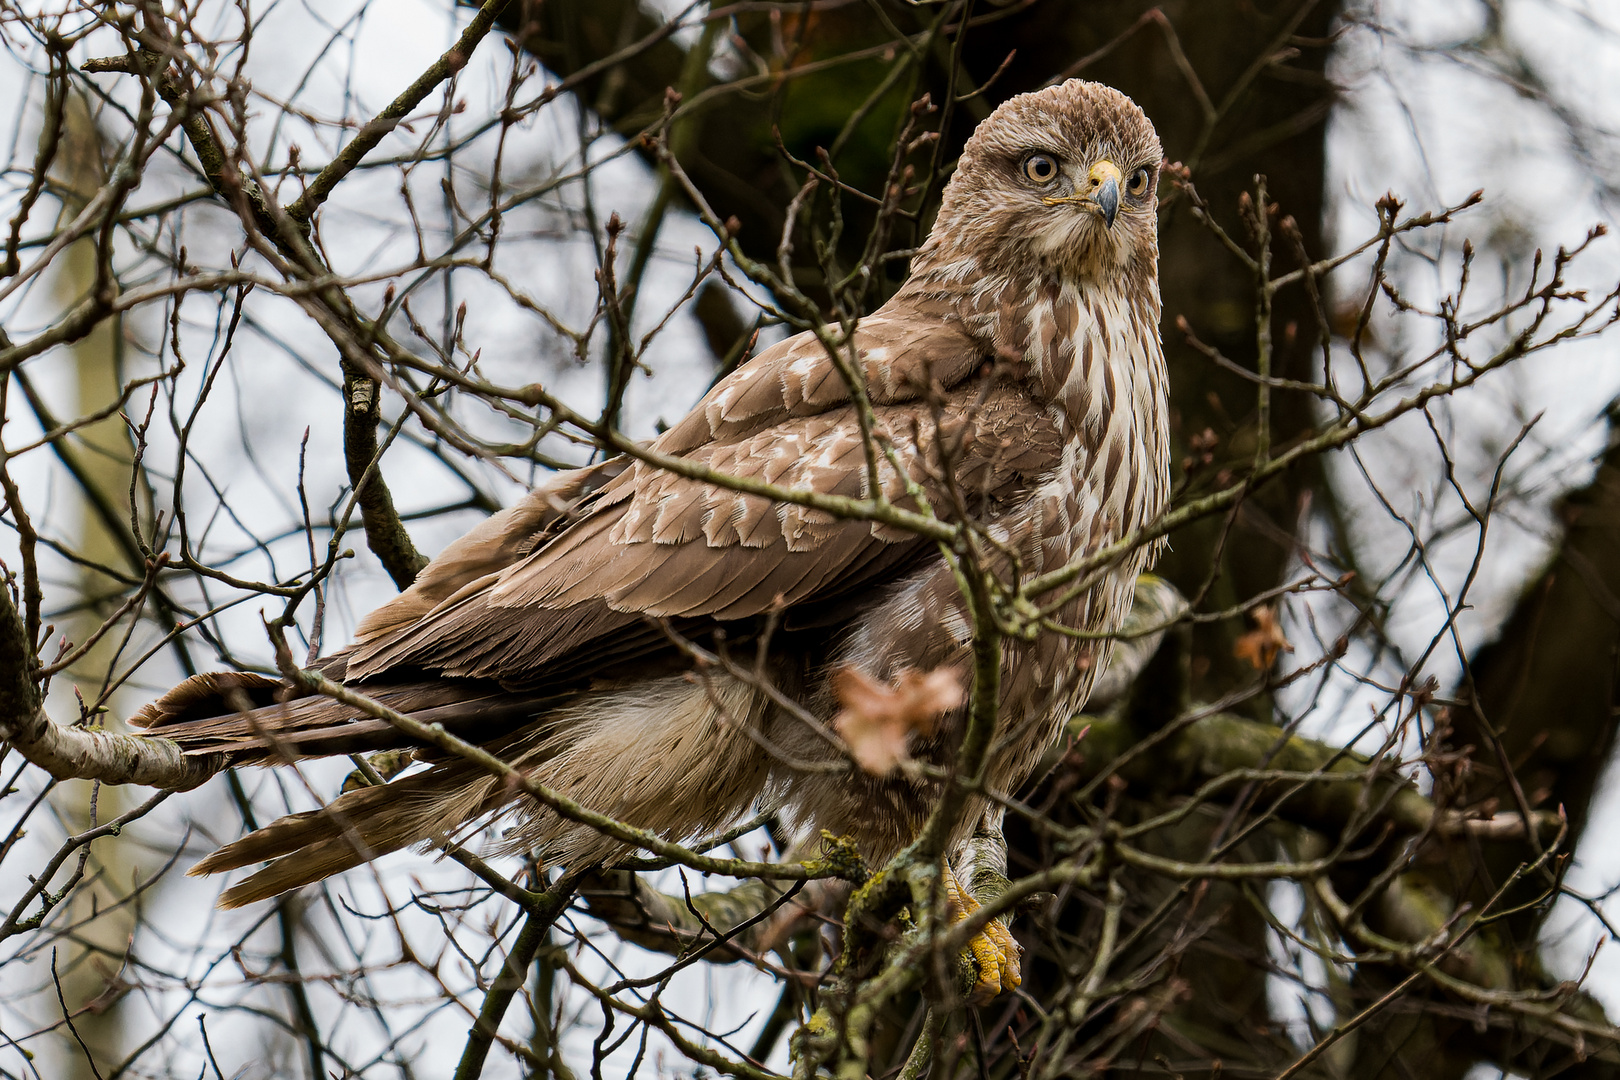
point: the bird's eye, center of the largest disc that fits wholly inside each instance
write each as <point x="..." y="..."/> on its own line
<point x="1041" y="168"/>
<point x="1137" y="185"/>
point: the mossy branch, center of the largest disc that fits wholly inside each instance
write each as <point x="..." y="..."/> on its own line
<point x="82" y="753"/>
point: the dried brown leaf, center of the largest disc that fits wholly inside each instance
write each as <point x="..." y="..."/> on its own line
<point x="878" y="719"/>
<point x="1261" y="645"/>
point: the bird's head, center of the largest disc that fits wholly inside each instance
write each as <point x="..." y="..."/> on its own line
<point x="1064" y="179"/>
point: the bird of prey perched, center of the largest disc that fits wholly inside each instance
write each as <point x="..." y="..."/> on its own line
<point x="1019" y="379"/>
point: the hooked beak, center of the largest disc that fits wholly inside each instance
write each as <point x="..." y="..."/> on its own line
<point x="1101" y="194"/>
<point x="1105" y="180"/>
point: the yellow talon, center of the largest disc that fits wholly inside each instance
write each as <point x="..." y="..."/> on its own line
<point x="994" y="951"/>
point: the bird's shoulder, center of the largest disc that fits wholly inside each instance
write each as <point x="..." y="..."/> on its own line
<point x="906" y="347"/>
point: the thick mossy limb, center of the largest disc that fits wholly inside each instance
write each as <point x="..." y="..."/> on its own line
<point x="89" y="753"/>
<point x="889" y="921"/>
<point x="1345" y="789"/>
<point x="675" y="924"/>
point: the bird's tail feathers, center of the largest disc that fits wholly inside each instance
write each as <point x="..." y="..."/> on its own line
<point x="673" y="756"/>
<point x="356" y="827"/>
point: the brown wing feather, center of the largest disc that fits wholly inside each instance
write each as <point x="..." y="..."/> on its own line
<point x="317" y="725"/>
<point x="199" y="698"/>
<point x="557" y="588"/>
<point x="662" y="545"/>
<point x="901" y="356"/>
<point x="761" y="420"/>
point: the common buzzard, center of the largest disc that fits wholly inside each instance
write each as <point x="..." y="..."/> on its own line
<point x="1016" y="377"/>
